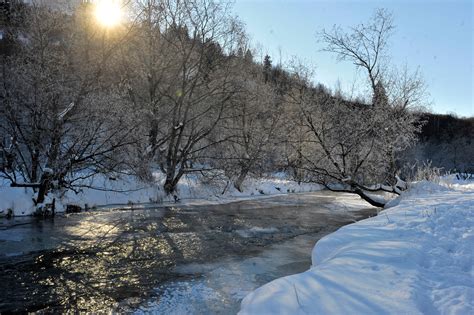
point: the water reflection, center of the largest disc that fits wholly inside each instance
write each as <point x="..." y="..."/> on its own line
<point x="112" y="261"/>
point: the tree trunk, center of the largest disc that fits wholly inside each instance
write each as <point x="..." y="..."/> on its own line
<point x="239" y="181"/>
<point x="34" y="166"/>
<point x="367" y="198"/>
<point x="169" y="185"/>
<point x="152" y="139"/>
<point x="44" y="187"/>
<point x="172" y="181"/>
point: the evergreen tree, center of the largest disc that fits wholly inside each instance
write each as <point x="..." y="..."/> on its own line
<point x="380" y="95"/>
<point x="248" y="56"/>
<point x="267" y="67"/>
<point x="240" y="52"/>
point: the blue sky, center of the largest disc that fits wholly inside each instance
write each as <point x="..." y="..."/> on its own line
<point x="436" y="36"/>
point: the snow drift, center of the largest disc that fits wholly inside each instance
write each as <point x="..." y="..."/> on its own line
<point x="414" y="258"/>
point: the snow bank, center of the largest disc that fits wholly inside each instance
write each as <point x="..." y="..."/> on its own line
<point x="414" y="258"/>
<point x="452" y="181"/>
<point x="125" y="190"/>
<point x="17" y="200"/>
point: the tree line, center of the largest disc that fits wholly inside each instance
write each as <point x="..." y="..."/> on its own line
<point x="176" y="88"/>
<point x="446" y="141"/>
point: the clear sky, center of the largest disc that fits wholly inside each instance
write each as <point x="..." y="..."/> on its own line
<point x="436" y="36"/>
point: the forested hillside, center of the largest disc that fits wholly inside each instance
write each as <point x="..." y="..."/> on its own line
<point x="177" y="88"/>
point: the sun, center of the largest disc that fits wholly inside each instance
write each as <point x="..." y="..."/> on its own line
<point x="108" y="12"/>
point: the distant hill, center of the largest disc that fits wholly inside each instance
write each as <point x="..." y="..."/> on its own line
<point x="445" y="140"/>
<point x="446" y="127"/>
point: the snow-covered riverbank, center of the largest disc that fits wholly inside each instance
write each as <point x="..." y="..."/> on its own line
<point x="103" y="190"/>
<point x="413" y="258"/>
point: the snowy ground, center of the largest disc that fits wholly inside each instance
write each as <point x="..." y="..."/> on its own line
<point x="128" y="190"/>
<point x="413" y="258"/>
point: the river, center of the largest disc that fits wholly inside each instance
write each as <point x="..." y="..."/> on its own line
<point x="200" y="259"/>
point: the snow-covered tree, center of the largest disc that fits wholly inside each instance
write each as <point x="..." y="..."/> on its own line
<point x="355" y="145"/>
<point x="180" y="73"/>
<point x="252" y="132"/>
<point x="61" y="120"/>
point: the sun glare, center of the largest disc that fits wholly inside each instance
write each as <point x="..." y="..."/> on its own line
<point x="108" y="12"/>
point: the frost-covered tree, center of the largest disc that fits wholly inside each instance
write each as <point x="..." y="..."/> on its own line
<point x="61" y="120"/>
<point x="354" y="145"/>
<point x="252" y="132"/>
<point x="365" y="45"/>
<point x="346" y="144"/>
<point x="180" y="75"/>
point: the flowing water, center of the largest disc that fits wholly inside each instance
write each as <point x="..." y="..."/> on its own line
<point x="184" y="260"/>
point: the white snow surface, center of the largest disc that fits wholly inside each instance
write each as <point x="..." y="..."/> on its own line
<point x="20" y="200"/>
<point x="128" y="190"/>
<point x="413" y="258"/>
